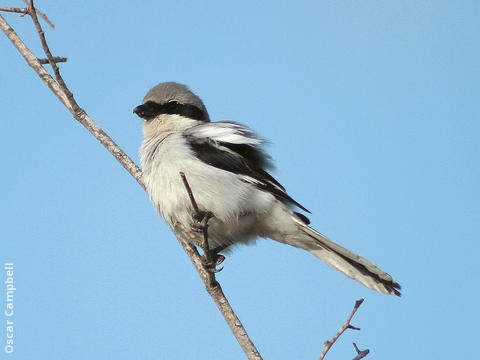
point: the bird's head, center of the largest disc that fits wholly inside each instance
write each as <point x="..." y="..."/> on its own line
<point x="170" y="106"/>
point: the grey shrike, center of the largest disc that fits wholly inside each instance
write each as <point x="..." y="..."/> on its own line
<point x="226" y="167"/>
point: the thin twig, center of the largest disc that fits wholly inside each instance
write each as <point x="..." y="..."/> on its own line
<point x="46" y="49"/>
<point x="80" y="115"/>
<point x="204" y="218"/>
<point x="345" y="326"/>
<point x="14" y="10"/>
<point x="44" y="17"/>
<point x="25" y="11"/>
<point x="56" y="59"/>
<point x="189" y="191"/>
<point x="360" y="353"/>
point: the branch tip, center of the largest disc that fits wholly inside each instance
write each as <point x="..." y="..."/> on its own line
<point x="329" y="343"/>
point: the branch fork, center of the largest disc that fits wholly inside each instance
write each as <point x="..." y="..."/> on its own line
<point x="345" y="326"/>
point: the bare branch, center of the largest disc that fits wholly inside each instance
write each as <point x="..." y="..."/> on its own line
<point x="345" y="326"/>
<point x="208" y="276"/>
<point x="33" y="62"/>
<point x="66" y="97"/>
<point x="76" y="111"/>
<point x="360" y="353"/>
<point x="186" y="237"/>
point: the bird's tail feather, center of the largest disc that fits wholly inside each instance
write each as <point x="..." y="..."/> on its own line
<point x="344" y="260"/>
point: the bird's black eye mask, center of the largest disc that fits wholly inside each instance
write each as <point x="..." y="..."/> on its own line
<point x="151" y="109"/>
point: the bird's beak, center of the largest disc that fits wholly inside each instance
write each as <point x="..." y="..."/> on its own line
<point x="139" y="110"/>
<point x="146" y="111"/>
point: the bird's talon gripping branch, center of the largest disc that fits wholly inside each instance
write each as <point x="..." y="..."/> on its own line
<point x="201" y="220"/>
<point x="203" y="216"/>
<point x="196" y="227"/>
<point x="219" y="259"/>
<point x="212" y="268"/>
<point x="212" y="260"/>
<point x="215" y="258"/>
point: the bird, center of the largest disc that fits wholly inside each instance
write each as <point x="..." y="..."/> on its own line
<point x="227" y="169"/>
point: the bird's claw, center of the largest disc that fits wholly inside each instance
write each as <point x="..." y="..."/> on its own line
<point x="203" y="216"/>
<point x="211" y="258"/>
<point x="211" y="262"/>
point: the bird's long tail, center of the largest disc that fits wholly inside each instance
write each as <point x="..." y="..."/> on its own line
<point x="343" y="260"/>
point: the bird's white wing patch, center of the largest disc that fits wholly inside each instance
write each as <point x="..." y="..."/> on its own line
<point x="226" y="131"/>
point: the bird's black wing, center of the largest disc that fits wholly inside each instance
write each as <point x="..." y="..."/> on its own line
<point x="235" y="148"/>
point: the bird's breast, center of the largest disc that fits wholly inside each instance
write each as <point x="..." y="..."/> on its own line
<point x="234" y="202"/>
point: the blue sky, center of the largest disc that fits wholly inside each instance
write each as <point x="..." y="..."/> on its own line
<point x="372" y="112"/>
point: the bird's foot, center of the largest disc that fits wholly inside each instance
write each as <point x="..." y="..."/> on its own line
<point x="201" y="221"/>
<point x="212" y="260"/>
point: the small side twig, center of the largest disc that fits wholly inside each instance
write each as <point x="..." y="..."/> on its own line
<point x="56" y="59"/>
<point x="360" y="353"/>
<point x="204" y="218"/>
<point x="345" y="326"/>
<point x="25" y="11"/>
<point x="46" y="50"/>
<point x="14" y="10"/>
<point x="189" y="191"/>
